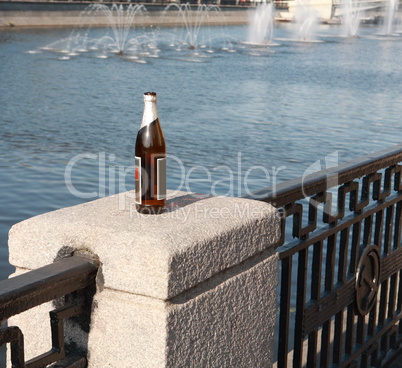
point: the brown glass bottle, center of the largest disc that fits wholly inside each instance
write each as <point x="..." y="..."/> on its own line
<point x="150" y="161"/>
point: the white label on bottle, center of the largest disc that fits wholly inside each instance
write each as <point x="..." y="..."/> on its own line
<point x="161" y="178"/>
<point x="138" y="189"/>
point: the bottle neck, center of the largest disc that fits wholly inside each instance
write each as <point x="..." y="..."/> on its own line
<point x="150" y="113"/>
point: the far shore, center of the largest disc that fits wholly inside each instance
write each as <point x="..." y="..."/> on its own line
<point x="63" y="14"/>
<point x="43" y="13"/>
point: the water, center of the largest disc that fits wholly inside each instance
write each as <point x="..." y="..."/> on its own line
<point x="234" y="121"/>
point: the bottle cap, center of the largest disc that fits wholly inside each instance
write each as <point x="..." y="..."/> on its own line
<point x="150" y="96"/>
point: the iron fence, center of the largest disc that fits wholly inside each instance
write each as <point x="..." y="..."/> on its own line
<point x="70" y="283"/>
<point x="340" y="292"/>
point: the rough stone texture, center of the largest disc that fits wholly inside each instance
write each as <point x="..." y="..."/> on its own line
<point x="127" y="331"/>
<point x="193" y="287"/>
<point x="158" y="256"/>
<point x="230" y="325"/>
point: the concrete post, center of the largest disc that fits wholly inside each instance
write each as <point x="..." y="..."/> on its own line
<point x="193" y="287"/>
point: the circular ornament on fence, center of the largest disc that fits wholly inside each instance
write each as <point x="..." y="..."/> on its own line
<point x="368" y="279"/>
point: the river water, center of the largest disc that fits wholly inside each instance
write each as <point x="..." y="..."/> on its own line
<point x="235" y="120"/>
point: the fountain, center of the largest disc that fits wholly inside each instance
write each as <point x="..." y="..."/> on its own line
<point x="192" y="21"/>
<point x="351" y="17"/>
<point x="306" y="19"/>
<point x="260" y="26"/>
<point x="389" y="18"/>
<point x="114" y="39"/>
<point x="120" y="22"/>
<point x="191" y="34"/>
<point x="120" y="39"/>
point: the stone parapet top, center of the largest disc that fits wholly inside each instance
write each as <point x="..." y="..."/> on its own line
<point x="157" y="256"/>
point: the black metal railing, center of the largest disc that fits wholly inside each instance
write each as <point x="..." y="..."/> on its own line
<point x="340" y="291"/>
<point x="70" y="283"/>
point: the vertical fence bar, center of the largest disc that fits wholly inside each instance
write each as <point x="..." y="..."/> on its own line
<point x="316" y="269"/>
<point x="398" y="227"/>
<point x="360" y="329"/>
<point x="343" y="255"/>
<point x="286" y="280"/>
<point x="378" y="228"/>
<point x="388" y="229"/>
<point x="329" y="285"/>
<point x="342" y="278"/>
<point x="300" y="305"/>
<point x="371" y="329"/>
<point x="367" y="231"/>
<point x="399" y="303"/>
<point x="397" y="244"/>
<point x="384" y="295"/>
<point x="392" y="296"/>
<point x="354" y="256"/>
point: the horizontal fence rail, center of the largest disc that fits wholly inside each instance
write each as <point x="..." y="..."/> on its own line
<point x="340" y="292"/>
<point x="72" y="278"/>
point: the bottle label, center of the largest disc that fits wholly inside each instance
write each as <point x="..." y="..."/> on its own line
<point x="161" y="178"/>
<point x="160" y="181"/>
<point x="138" y="191"/>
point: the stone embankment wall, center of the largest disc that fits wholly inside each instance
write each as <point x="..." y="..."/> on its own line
<point x="192" y="287"/>
<point x="65" y="14"/>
